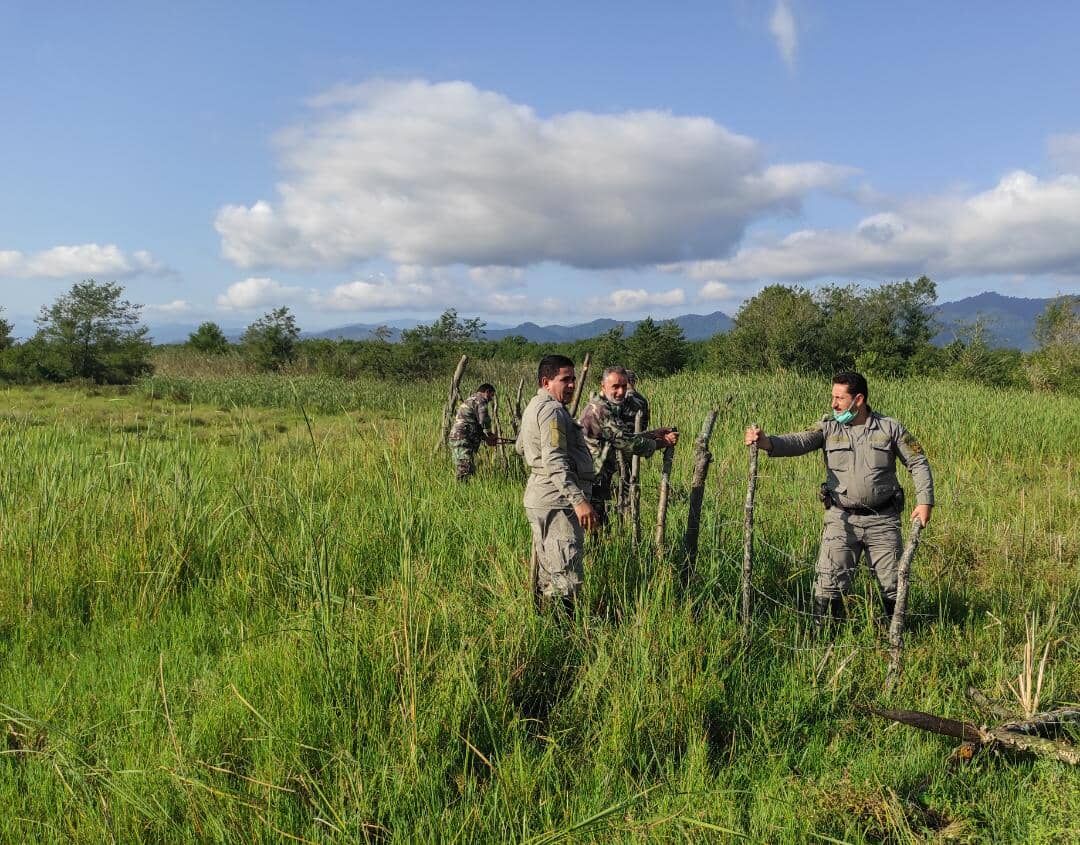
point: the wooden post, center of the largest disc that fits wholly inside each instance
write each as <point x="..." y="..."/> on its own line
<point x="497" y="430"/>
<point x="621" y="495"/>
<point x="702" y="459"/>
<point x="454" y="394"/>
<point x="635" y="490"/>
<point x="661" y="508"/>
<point x="515" y="416"/>
<point x="748" y="542"/>
<point x="903" y="577"/>
<point x="580" y="386"/>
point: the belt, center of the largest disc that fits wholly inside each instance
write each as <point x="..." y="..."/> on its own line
<point x="860" y="511"/>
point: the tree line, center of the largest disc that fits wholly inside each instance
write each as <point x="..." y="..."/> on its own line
<point x="92" y="333"/>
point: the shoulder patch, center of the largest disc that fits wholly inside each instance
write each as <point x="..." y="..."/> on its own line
<point x="557" y="435"/>
<point x="912" y="444"/>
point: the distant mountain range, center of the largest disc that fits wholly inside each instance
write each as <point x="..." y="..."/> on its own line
<point x="1010" y="322"/>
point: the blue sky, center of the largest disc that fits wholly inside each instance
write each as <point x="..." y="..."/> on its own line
<point x="369" y="162"/>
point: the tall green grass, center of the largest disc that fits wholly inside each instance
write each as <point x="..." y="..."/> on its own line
<point x="259" y="607"/>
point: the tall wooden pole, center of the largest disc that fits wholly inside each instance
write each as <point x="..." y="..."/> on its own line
<point x="580" y="386"/>
<point x="748" y="543"/>
<point x="635" y="491"/>
<point x="454" y="393"/>
<point x="903" y="579"/>
<point x="497" y="431"/>
<point x="702" y="459"/>
<point x="661" y="508"/>
<point x="515" y="417"/>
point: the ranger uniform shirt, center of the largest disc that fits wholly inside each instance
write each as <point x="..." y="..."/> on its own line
<point x="860" y="461"/>
<point x="471" y="422"/>
<point x="605" y="424"/>
<point x="560" y="466"/>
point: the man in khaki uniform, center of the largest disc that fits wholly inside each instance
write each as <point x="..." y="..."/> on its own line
<point x="608" y="426"/>
<point x="560" y="481"/>
<point x="862" y="497"/>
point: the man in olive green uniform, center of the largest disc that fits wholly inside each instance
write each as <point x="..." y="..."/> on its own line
<point x="472" y="425"/>
<point x="609" y="431"/>
<point x="560" y="481"/>
<point x="862" y="497"/>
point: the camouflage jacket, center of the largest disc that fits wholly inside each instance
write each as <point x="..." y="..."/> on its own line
<point x="633" y="403"/>
<point x="608" y="430"/>
<point x="860" y="461"/>
<point x="472" y="421"/>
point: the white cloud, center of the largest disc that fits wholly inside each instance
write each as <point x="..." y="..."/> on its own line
<point x="1064" y="152"/>
<point x="494" y="277"/>
<point x="636" y="299"/>
<point x="715" y="290"/>
<point x="1023" y="225"/>
<point x="83" y="260"/>
<point x="176" y="307"/>
<point x="443" y="174"/>
<point x="784" y="32"/>
<point x="256" y="292"/>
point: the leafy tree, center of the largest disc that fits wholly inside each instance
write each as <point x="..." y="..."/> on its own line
<point x="6" y="338"/>
<point x="657" y="349"/>
<point x="778" y="328"/>
<point x="609" y="349"/>
<point x="1056" y="363"/>
<point x="270" y="342"/>
<point x="91" y="333"/>
<point x="208" y="338"/>
<point x="971" y="358"/>
<point x="446" y="329"/>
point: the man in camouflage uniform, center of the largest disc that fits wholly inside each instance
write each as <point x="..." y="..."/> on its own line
<point x="609" y="431"/>
<point x="472" y="425"/>
<point x="862" y="497"/>
<point x="635" y="401"/>
<point x="560" y="481"/>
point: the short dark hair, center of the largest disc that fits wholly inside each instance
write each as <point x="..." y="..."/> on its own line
<point x="550" y="366"/>
<point x="486" y="388"/>
<point x="854" y="382"/>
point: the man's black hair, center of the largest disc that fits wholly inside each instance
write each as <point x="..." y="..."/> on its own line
<point x="486" y="388"/>
<point x="854" y="382"/>
<point x="550" y="366"/>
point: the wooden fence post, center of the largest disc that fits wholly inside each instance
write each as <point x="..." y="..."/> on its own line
<point x="452" y="398"/>
<point x="702" y="459"/>
<point x="748" y="543"/>
<point x="903" y="579"/>
<point x="661" y="508"/>
<point x="580" y="386"/>
<point x="635" y="490"/>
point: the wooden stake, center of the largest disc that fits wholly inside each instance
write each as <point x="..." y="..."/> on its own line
<point x="702" y="459"/>
<point x="497" y="430"/>
<point x="903" y="577"/>
<point x="748" y="542"/>
<point x="454" y="394"/>
<point x="515" y="416"/>
<point x="635" y="491"/>
<point x="580" y="386"/>
<point x="661" y="508"/>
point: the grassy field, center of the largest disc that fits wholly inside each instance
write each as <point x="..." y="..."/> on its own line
<point x="260" y="609"/>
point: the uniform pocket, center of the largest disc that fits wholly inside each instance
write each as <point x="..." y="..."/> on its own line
<point x="881" y="456"/>
<point x="838" y="455"/>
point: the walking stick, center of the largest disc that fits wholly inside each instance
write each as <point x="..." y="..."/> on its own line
<point x="903" y="578"/>
<point x="748" y="541"/>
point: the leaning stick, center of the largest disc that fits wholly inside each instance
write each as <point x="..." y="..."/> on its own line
<point x="702" y="459"/>
<point x="903" y="578"/>
<point x="515" y="416"/>
<point x="448" y="411"/>
<point x="661" y="508"/>
<point x="580" y="386"/>
<point x="748" y="541"/>
<point x="635" y="492"/>
<point x="497" y="431"/>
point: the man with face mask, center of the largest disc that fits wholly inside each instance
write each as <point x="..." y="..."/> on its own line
<point x="609" y="430"/>
<point x="862" y="497"/>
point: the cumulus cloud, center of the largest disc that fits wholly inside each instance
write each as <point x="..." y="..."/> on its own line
<point x="712" y="290"/>
<point x="176" y="307"/>
<point x="257" y="292"/>
<point x="1023" y="225"/>
<point x="636" y="299"/>
<point x="784" y="32"/>
<point x="444" y="174"/>
<point x="83" y="260"/>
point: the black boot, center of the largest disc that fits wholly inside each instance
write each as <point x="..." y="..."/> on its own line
<point x="888" y="608"/>
<point x="822" y="612"/>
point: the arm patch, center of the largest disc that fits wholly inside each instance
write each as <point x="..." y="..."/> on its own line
<point x="558" y="436"/>
<point x="912" y="444"/>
